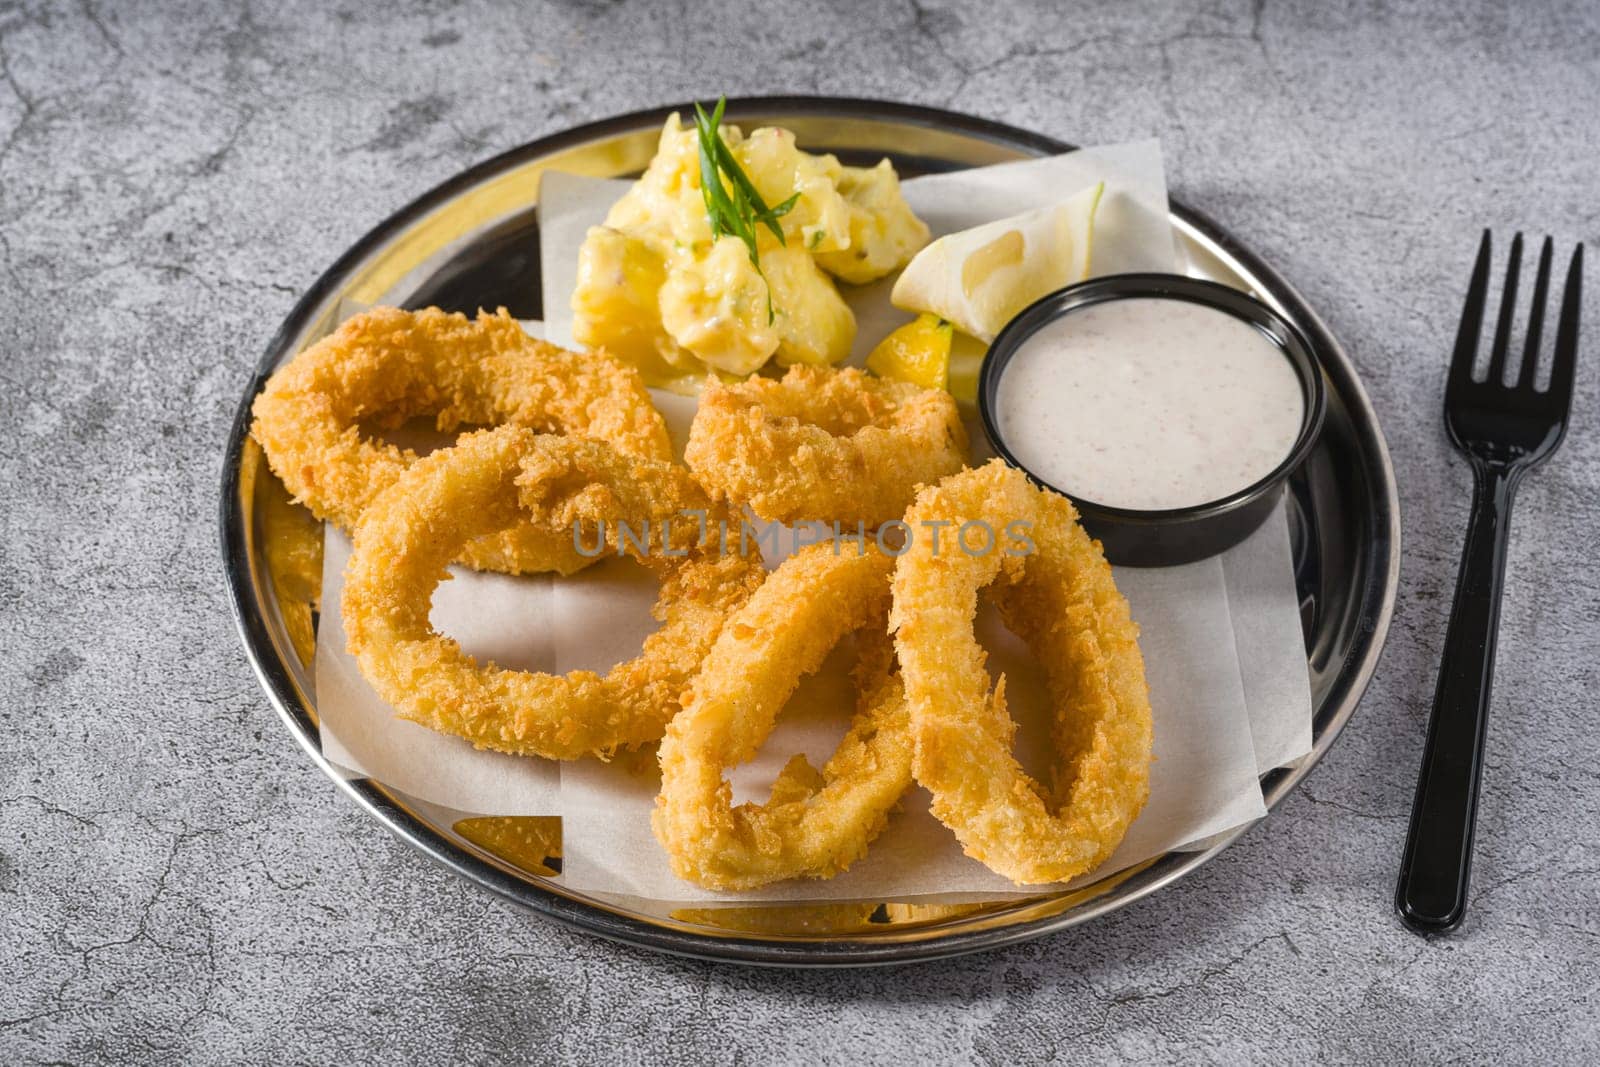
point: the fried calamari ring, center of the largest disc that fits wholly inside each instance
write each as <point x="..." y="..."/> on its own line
<point x="814" y="825"/>
<point x="386" y="366"/>
<point x="487" y="482"/>
<point x="824" y="445"/>
<point x="1061" y="600"/>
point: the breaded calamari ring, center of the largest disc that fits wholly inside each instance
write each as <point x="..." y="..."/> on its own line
<point x="815" y="825"/>
<point x="1060" y="598"/>
<point x="408" y="535"/>
<point x="824" y="445"/>
<point x="385" y="366"/>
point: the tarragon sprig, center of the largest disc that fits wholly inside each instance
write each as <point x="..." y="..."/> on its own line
<point x="735" y="207"/>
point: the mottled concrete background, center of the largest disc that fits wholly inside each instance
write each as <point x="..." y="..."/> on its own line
<point x="177" y="880"/>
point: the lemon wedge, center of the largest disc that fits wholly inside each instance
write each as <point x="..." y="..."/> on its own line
<point x="979" y="278"/>
<point x="917" y="352"/>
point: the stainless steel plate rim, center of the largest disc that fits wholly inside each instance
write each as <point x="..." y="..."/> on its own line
<point x="253" y="624"/>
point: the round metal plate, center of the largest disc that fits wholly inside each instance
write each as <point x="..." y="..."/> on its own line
<point x="474" y="241"/>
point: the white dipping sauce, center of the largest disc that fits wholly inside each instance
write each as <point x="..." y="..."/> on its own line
<point x="1149" y="403"/>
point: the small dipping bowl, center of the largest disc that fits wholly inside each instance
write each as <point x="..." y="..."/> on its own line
<point x="1155" y="538"/>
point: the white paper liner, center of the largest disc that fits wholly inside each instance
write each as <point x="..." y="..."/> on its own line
<point x="1267" y="628"/>
<point x="1221" y="638"/>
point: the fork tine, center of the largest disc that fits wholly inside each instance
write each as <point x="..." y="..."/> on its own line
<point x="1471" y="321"/>
<point x="1541" y="290"/>
<point x="1566" y="355"/>
<point x="1508" y="308"/>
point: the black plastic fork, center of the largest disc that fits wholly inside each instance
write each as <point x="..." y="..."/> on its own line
<point x="1504" y="430"/>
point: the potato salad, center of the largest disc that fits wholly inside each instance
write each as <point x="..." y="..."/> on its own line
<point x="691" y="282"/>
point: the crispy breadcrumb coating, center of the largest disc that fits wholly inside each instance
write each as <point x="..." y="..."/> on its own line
<point x="1062" y="601"/>
<point x="824" y="445"/>
<point x="816" y="823"/>
<point x="410" y="533"/>
<point x="386" y="366"/>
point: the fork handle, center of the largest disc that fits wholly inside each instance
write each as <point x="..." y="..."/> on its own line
<point x="1432" y="893"/>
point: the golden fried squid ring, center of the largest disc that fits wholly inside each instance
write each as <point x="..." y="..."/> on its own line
<point x="824" y="445"/>
<point x="1061" y="600"/>
<point x="487" y="482"/>
<point x="814" y="825"/>
<point x="386" y="366"/>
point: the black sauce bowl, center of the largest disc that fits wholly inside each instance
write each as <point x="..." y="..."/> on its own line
<point x="1139" y="538"/>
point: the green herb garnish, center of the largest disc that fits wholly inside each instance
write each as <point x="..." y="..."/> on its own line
<point x="734" y="208"/>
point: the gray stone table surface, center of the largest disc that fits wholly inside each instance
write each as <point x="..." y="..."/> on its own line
<point x="178" y="881"/>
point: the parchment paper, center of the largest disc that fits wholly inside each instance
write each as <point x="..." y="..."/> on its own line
<point x="1221" y="638"/>
<point x="1217" y="680"/>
